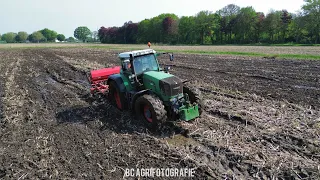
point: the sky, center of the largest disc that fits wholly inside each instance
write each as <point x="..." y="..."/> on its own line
<point x="64" y="16"/>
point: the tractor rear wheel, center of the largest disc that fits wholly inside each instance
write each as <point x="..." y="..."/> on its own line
<point x="194" y="95"/>
<point x="116" y="97"/>
<point x="151" y="110"/>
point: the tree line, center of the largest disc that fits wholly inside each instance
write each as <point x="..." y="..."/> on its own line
<point x="81" y="33"/>
<point x="229" y="25"/>
<point x="44" y="35"/>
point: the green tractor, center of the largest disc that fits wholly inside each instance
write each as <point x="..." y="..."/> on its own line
<point x="150" y="91"/>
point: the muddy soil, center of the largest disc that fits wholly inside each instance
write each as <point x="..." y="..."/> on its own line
<point x="261" y="120"/>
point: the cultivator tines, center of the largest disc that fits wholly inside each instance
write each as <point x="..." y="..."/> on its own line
<point x="98" y="79"/>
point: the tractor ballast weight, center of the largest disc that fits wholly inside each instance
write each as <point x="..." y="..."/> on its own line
<point x="141" y="85"/>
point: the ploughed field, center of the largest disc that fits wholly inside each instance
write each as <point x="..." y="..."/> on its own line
<point x="261" y="119"/>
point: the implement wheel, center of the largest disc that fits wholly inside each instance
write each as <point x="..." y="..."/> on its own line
<point x="151" y="110"/>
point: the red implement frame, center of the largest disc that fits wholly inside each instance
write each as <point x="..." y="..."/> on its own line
<point x="98" y="79"/>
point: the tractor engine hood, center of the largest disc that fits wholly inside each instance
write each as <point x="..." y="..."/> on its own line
<point x="167" y="84"/>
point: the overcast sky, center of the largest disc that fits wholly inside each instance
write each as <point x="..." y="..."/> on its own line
<point x="64" y="16"/>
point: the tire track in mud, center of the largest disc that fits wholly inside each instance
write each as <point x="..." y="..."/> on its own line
<point x="14" y="99"/>
<point x="2" y="94"/>
<point x="2" y="121"/>
<point x="287" y="142"/>
<point x="253" y="158"/>
<point x="241" y="117"/>
<point x="257" y="136"/>
<point x="80" y="122"/>
<point x="11" y="99"/>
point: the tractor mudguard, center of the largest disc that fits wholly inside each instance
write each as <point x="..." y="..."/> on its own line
<point x="117" y="78"/>
<point x="138" y="94"/>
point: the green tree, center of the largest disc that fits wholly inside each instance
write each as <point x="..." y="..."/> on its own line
<point x="61" y="37"/>
<point x="244" y="27"/>
<point x="205" y="22"/>
<point x="144" y="31"/>
<point x="311" y="9"/>
<point x="36" y="37"/>
<point x="153" y="29"/>
<point x="156" y="30"/>
<point x="50" y="35"/>
<point x="9" y="37"/>
<point x="215" y="28"/>
<point x="258" y="27"/>
<point x="231" y="24"/>
<point x="286" y="18"/>
<point x="272" y="25"/>
<point x="297" y="28"/>
<point x="71" y="39"/>
<point x="187" y="29"/>
<point x="228" y="15"/>
<point x="22" y="36"/>
<point x="82" y="33"/>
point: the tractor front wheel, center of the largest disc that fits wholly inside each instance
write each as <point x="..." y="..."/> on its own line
<point x="194" y="95"/>
<point x="151" y="110"/>
<point x="116" y="97"/>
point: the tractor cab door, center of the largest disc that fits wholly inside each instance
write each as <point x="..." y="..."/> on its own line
<point x="128" y="69"/>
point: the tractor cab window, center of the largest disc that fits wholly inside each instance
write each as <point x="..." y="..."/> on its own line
<point x="145" y="63"/>
<point x="126" y="65"/>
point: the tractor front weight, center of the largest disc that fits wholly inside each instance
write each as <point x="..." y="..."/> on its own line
<point x="188" y="112"/>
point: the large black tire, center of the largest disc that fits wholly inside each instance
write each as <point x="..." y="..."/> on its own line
<point x="156" y="109"/>
<point x="194" y="96"/>
<point x="116" y="97"/>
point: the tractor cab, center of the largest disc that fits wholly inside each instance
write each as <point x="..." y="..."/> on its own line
<point x="138" y="62"/>
<point x="135" y="63"/>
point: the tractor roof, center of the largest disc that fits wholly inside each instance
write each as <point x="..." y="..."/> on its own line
<point x="136" y="53"/>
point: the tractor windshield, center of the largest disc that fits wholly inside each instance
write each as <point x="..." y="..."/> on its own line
<point x="145" y="63"/>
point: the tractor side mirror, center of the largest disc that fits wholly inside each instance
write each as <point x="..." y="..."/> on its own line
<point x="171" y="57"/>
